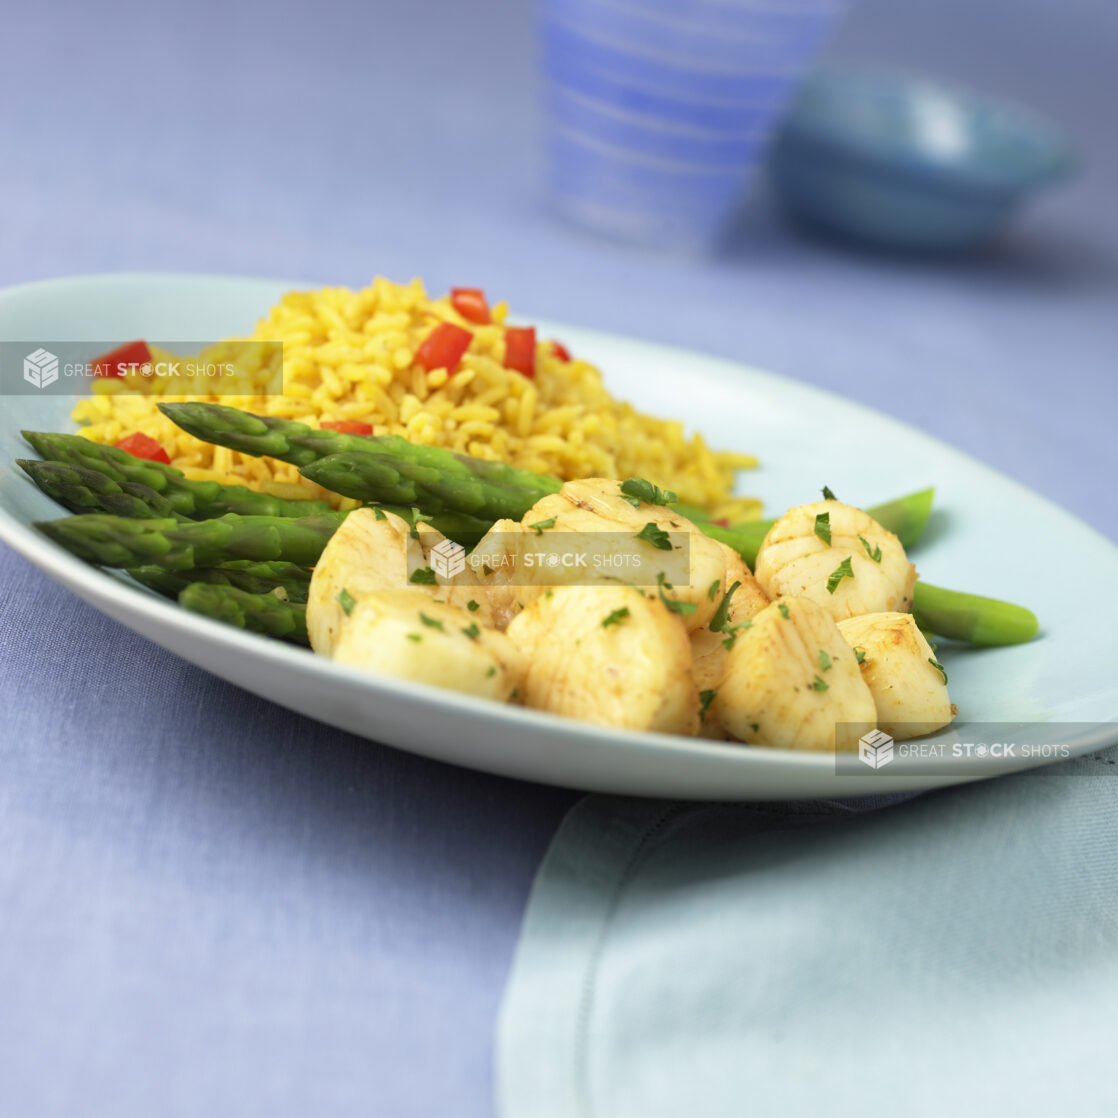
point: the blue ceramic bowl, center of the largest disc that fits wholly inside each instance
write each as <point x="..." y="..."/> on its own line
<point x="900" y="162"/>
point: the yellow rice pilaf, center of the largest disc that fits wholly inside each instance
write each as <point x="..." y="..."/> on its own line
<point x="351" y="355"/>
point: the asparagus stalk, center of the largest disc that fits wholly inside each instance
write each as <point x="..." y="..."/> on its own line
<point x="290" y="441"/>
<point x="199" y="500"/>
<point x="463" y="479"/>
<point x="116" y="541"/>
<point x="84" y="490"/>
<point x="81" y="490"/>
<point x="906" y="517"/>
<point x="372" y="477"/>
<point x="259" y="613"/>
<point x="178" y="545"/>
<point x="971" y="617"/>
<point x="388" y="478"/>
<point x="255" y="578"/>
<point x="363" y="476"/>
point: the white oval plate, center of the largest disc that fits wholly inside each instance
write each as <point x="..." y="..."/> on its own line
<point x="978" y="541"/>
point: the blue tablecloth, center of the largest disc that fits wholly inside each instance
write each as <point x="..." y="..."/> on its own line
<point x="208" y="905"/>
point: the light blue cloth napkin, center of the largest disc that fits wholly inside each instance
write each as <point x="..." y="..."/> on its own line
<point x="956" y="953"/>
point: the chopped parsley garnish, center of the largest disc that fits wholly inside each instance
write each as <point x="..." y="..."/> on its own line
<point x="873" y="553"/>
<point x="824" y="660"/>
<point x="705" y="699"/>
<point x="939" y="668"/>
<point x="540" y="525"/>
<point x="431" y="622"/>
<point x="860" y="654"/>
<point x="732" y="634"/>
<point x="636" y="489"/>
<point x="714" y="588"/>
<point x="843" y="570"/>
<point x="755" y="726"/>
<point x="823" y="527"/>
<point x="486" y="569"/>
<point x="827" y="494"/>
<point x="346" y="600"/>
<point x="514" y="694"/>
<point x="684" y="609"/>
<point x="661" y="580"/>
<point x="616" y="617"/>
<point x="818" y="684"/>
<point x="472" y="606"/>
<point x="415" y="637"/>
<point x="424" y="576"/>
<point x="492" y="671"/>
<point x="721" y="615"/>
<point x="472" y="631"/>
<point x="378" y="512"/>
<point x="417" y="518"/>
<point x="650" y="533"/>
<point x="783" y="610"/>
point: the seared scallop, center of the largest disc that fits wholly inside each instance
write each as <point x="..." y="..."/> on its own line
<point x="793" y="681"/>
<point x="909" y="688"/>
<point x="608" y="655"/>
<point x="839" y="557"/>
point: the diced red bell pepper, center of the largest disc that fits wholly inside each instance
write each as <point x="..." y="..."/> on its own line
<point x="140" y="445"/>
<point x="722" y="522"/>
<point x="520" y="349"/>
<point x="560" y="350"/>
<point x="471" y="304"/>
<point x="443" y="347"/>
<point x="348" y="426"/>
<point x="115" y="363"/>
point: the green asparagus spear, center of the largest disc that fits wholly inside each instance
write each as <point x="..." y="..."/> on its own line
<point x="388" y="478"/>
<point x="259" y="613"/>
<point x="295" y="442"/>
<point x="906" y="517"/>
<point x="301" y="445"/>
<point x="199" y="500"/>
<point x="81" y="490"/>
<point x="440" y="479"/>
<point x="970" y="617"/>
<point x="115" y="541"/>
<point x="176" y="545"/>
<point x="371" y="477"/>
<point x="377" y="478"/>
<point x="255" y="578"/>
